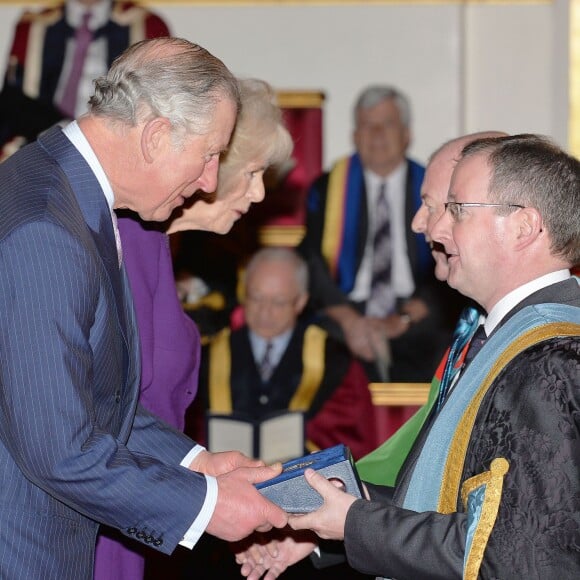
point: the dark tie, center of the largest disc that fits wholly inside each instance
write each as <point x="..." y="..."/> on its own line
<point x="382" y="298"/>
<point x="266" y="367"/>
<point x="83" y="38"/>
<point x="464" y="330"/>
<point x="475" y="345"/>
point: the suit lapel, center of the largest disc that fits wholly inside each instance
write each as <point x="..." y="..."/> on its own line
<point x="93" y="204"/>
<point x="364" y="227"/>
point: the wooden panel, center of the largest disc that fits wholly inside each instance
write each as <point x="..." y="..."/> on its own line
<point x="300" y="99"/>
<point x="396" y="403"/>
<point x="399" y="394"/>
<point x="289" y="236"/>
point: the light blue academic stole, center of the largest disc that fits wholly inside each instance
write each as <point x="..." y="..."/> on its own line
<point x="436" y="480"/>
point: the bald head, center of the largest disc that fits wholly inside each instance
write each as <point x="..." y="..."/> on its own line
<point x="450" y="151"/>
<point x="434" y="192"/>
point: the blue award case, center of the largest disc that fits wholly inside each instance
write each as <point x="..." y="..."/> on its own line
<point x="291" y="491"/>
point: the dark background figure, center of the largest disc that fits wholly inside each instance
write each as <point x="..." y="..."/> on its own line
<point x="207" y="268"/>
<point x="335" y="398"/>
<point x="40" y="74"/>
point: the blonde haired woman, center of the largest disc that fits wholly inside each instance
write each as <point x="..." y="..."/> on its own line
<point x="170" y="346"/>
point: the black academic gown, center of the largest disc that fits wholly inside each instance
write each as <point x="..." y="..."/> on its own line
<point x="530" y="416"/>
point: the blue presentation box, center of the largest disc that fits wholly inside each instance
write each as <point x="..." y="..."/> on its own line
<point x="291" y="491"/>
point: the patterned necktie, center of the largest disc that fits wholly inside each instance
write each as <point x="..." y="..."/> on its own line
<point x="382" y="298"/>
<point x="266" y="367"/>
<point x="83" y="38"/>
<point x="468" y="321"/>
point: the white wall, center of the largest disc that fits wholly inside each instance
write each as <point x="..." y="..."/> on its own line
<point x="509" y="80"/>
<point x="465" y="66"/>
<point x="340" y="49"/>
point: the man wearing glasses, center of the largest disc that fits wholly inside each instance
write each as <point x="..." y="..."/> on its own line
<point x="491" y="486"/>
<point x="280" y="361"/>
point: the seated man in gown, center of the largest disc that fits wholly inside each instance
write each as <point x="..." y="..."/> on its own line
<point x="371" y="276"/>
<point x="305" y="370"/>
<point x="279" y="361"/>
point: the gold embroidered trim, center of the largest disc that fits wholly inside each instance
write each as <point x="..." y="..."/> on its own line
<point x="133" y="17"/>
<point x="493" y="480"/>
<point x="220" y="363"/>
<point x="332" y="234"/>
<point x="456" y="457"/>
<point x="34" y="49"/>
<point x="46" y="16"/>
<point x="313" y="369"/>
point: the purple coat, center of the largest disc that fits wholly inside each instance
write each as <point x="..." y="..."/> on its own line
<point x="170" y="355"/>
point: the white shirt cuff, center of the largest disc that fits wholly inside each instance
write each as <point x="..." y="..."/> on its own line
<point x="195" y="451"/>
<point x="197" y="528"/>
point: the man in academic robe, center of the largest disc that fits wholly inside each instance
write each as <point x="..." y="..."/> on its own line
<point x="277" y="361"/>
<point x="306" y="370"/>
<point x="371" y="276"/>
<point x="382" y="465"/>
<point x="40" y="61"/>
<point x="490" y="486"/>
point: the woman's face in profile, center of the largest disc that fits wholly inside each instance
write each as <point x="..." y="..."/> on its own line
<point x="233" y="201"/>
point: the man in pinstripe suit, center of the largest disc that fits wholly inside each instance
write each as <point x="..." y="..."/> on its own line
<point x="76" y="449"/>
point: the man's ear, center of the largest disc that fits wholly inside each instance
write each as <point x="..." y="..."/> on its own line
<point x="528" y="224"/>
<point x="302" y="301"/>
<point x="155" y="137"/>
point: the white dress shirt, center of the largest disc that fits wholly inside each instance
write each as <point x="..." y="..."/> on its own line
<point x="512" y="299"/>
<point x="402" y="276"/>
<point x="279" y="346"/>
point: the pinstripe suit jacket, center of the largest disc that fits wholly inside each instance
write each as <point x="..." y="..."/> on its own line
<point x="75" y="447"/>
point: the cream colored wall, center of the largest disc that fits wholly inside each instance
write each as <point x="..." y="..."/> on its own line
<point x="340" y="49"/>
<point x="466" y="66"/>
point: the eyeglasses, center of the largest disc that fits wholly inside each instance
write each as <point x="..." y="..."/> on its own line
<point x="455" y="208"/>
